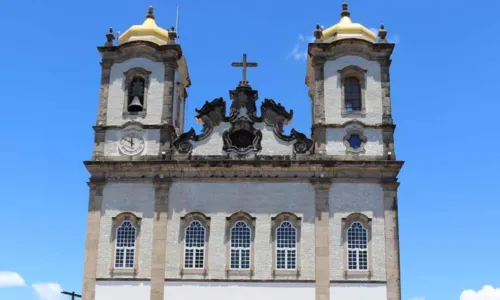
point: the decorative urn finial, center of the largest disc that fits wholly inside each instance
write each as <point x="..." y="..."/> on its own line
<point x="110" y="37"/>
<point x="318" y="33"/>
<point x="382" y="34"/>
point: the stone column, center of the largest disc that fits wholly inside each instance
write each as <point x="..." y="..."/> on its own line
<point x="92" y="240"/>
<point x="322" y="238"/>
<point x="162" y="188"/>
<point x="103" y="95"/>
<point x="392" y="241"/>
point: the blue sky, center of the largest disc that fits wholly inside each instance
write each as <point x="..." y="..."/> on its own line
<point x="444" y="81"/>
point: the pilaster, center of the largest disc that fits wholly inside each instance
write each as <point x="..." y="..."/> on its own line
<point x="392" y="241"/>
<point x="92" y="240"/>
<point x="319" y="117"/>
<point x="322" y="237"/>
<point x="162" y="188"/>
<point x="103" y="94"/>
<point x="168" y="93"/>
<point x="385" y="64"/>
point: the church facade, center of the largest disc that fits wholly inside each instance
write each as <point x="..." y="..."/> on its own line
<point x="243" y="209"/>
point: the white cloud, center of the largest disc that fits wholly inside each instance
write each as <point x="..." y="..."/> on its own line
<point x="418" y="298"/>
<point x="486" y="293"/>
<point x="299" y="50"/>
<point x="47" y="291"/>
<point x="11" y="279"/>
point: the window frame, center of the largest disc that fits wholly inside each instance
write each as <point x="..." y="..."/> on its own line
<point x="129" y="76"/>
<point x="360" y="74"/>
<point x="117" y="221"/>
<point x="231" y="221"/>
<point x="355" y="130"/>
<point x="367" y="224"/>
<point x="296" y="222"/>
<point x="186" y="222"/>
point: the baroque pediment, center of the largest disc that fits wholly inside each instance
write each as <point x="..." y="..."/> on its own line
<point x="243" y="132"/>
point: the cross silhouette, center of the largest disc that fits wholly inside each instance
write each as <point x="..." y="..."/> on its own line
<point x="72" y="294"/>
<point x="244" y="64"/>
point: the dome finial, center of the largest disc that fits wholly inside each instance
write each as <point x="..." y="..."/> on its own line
<point x="345" y="10"/>
<point x="150" y="14"/>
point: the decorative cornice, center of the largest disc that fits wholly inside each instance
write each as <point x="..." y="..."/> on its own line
<point x="152" y="51"/>
<point x="355" y="122"/>
<point x="386" y="171"/>
<point x="371" y="51"/>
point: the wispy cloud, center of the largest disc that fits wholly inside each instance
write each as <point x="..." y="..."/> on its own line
<point x="486" y="293"/>
<point x="418" y="298"/>
<point x="47" y="291"/>
<point x="11" y="279"/>
<point x="299" y="50"/>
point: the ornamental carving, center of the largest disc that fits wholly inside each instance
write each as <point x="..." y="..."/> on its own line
<point x="242" y="137"/>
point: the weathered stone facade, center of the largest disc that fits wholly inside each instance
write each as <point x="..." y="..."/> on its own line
<point x="243" y="166"/>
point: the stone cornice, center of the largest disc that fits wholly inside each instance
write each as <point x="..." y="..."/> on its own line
<point x="379" y="126"/>
<point x="173" y="51"/>
<point x="371" y="51"/>
<point x="387" y="171"/>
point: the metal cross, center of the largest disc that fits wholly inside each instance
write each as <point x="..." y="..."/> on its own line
<point x="244" y="64"/>
<point x="72" y="294"/>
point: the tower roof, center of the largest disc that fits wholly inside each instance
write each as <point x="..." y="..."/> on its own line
<point x="148" y="31"/>
<point x="346" y="29"/>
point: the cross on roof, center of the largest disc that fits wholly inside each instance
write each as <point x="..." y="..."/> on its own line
<point x="244" y="64"/>
<point x="72" y="294"/>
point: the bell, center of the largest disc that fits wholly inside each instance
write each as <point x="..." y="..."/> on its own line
<point x="135" y="105"/>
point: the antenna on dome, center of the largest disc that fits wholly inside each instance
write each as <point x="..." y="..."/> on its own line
<point x="177" y="21"/>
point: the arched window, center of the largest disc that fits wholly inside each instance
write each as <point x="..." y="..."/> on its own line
<point x="194" y="246"/>
<point x="125" y="245"/>
<point x="357" y="247"/>
<point x="352" y="94"/>
<point x="240" y="246"/>
<point x="286" y="246"/>
<point x="136" y="94"/>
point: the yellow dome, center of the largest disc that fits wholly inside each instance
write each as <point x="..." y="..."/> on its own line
<point x="346" y="29"/>
<point x="148" y="31"/>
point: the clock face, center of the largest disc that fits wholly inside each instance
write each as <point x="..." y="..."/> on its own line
<point x="131" y="142"/>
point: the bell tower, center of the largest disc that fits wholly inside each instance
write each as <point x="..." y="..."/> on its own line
<point x="143" y="93"/>
<point x="349" y="87"/>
